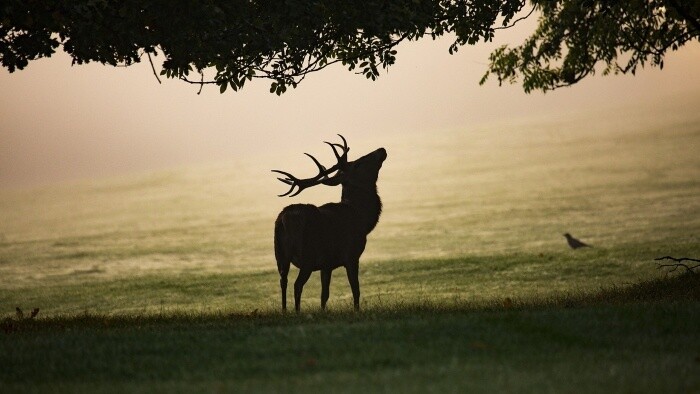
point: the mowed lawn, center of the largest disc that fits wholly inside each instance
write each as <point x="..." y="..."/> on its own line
<point x="166" y="282"/>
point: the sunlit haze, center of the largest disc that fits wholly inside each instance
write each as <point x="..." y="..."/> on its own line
<point x="62" y="123"/>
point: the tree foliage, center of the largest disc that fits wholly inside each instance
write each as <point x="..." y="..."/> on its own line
<point x="228" y="43"/>
<point x="575" y="38"/>
<point x="241" y="39"/>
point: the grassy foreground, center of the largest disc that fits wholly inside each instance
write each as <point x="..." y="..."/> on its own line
<point x="637" y="338"/>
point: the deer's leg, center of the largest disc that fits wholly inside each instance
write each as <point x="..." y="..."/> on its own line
<point x="283" y="260"/>
<point x="352" y="270"/>
<point x="283" y="268"/>
<point x="283" y="287"/>
<point x="299" y="286"/>
<point x="325" y="286"/>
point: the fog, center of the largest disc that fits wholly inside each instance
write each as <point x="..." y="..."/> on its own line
<point x="62" y="123"/>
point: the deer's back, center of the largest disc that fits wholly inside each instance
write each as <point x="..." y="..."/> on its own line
<point x="314" y="237"/>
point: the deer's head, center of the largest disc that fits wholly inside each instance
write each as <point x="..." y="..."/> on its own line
<point x="362" y="172"/>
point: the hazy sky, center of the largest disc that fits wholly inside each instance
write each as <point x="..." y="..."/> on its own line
<point x="61" y="123"/>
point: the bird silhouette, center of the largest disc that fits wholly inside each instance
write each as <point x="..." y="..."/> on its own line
<point x="575" y="243"/>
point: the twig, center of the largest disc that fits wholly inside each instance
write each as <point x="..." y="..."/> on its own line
<point x="153" y="67"/>
<point x="678" y="263"/>
<point x="678" y="260"/>
<point x="517" y="20"/>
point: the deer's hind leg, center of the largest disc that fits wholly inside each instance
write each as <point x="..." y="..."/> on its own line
<point x="283" y="269"/>
<point x="325" y="286"/>
<point x="283" y="264"/>
<point x="283" y="287"/>
<point x="282" y="256"/>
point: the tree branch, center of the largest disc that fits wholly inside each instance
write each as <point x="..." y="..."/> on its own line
<point x="517" y="20"/>
<point x="295" y="76"/>
<point x="678" y="263"/>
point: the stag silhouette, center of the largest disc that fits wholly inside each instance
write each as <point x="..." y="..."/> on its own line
<point x="334" y="234"/>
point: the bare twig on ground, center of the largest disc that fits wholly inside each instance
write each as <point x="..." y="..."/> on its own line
<point x="678" y="263"/>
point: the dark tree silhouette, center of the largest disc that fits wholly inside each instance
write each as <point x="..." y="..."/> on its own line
<point x="237" y="41"/>
<point x="332" y="235"/>
<point x="574" y="37"/>
<point x="228" y="43"/>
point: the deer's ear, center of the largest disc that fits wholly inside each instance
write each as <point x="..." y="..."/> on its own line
<point x="334" y="181"/>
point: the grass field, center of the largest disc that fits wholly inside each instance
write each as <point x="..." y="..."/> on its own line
<point x="166" y="281"/>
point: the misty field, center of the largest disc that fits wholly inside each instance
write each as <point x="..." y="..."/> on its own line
<point x="167" y="281"/>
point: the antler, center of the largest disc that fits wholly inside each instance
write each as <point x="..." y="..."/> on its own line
<point x="323" y="173"/>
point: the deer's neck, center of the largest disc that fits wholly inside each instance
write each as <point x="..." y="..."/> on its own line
<point x="365" y="201"/>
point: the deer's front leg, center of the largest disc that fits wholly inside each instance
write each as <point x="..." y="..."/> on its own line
<point x="352" y="270"/>
<point x="299" y="286"/>
<point x="325" y="286"/>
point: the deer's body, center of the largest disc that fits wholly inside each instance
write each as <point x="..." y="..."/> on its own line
<point x="332" y="235"/>
<point x="315" y="238"/>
